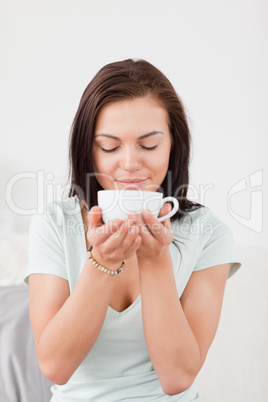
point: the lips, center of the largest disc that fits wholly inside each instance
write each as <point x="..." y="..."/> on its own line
<point x="131" y="184"/>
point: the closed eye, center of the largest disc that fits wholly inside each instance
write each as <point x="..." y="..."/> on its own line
<point x="109" y="150"/>
<point x="149" y="148"/>
<point x="142" y="146"/>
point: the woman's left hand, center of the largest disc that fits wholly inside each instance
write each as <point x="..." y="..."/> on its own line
<point x="156" y="236"/>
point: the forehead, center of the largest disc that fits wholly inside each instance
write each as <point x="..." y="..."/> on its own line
<point x="139" y="114"/>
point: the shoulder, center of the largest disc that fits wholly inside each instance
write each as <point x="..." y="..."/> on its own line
<point x="56" y="218"/>
<point x="52" y="238"/>
<point x="199" y="225"/>
<point x="206" y="237"/>
<point x="58" y="211"/>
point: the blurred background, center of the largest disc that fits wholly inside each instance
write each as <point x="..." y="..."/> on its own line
<point x="215" y="55"/>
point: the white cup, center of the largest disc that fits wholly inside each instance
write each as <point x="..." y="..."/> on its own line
<point x="117" y="204"/>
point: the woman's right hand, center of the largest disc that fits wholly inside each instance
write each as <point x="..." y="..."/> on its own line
<point x="113" y="242"/>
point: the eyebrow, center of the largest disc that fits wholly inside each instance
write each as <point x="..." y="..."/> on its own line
<point x="119" y="139"/>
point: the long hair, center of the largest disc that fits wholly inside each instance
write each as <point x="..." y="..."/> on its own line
<point x="120" y="81"/>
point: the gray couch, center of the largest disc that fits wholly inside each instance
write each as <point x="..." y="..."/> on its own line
<point x="20" y="377"/>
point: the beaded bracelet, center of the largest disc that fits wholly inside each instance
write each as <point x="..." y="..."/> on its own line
<point x="101" y="268"/>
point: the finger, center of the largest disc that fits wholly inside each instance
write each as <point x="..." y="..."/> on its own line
<point x="166" y="208"/>
<point x="94" y="217"/>
<point x="123" y="238"/>
<point x="159" y="231"/>
<point x="134" y="246"/>
<point x="108" y="235"/>
<point x="144" y="231"/>
<point x="116" y="239"/>
<point x="132" y="234"/>
<point x="100" y="234"/>
<point x="132" y="240"/>
<point x="152" y="224"/>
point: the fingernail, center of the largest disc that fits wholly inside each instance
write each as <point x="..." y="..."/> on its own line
<point x="147" y="212"/>
<point x="132" y="217"/>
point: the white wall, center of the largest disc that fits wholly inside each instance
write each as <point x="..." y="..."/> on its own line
<point x="214" y="53"/>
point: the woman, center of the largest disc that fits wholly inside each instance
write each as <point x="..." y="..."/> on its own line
<point x="143" y="334"/>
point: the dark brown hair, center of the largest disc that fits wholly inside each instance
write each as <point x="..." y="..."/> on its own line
<point x="119" y="81"/>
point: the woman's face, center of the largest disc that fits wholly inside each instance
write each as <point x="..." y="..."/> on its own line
<point x="132" y="145"/>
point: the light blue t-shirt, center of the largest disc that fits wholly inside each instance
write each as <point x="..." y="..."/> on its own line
<point x="118" y="367"/>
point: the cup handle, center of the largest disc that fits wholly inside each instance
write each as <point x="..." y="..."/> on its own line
<point x="174" y="209"/>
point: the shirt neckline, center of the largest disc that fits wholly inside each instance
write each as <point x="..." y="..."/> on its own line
<point x="127" y="310"/>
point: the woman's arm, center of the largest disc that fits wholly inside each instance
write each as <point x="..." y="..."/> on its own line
<point x="66" y="326"/>
<point x="178" y="332"/>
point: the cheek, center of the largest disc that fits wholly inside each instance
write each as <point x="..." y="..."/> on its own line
<point x="161" y="160"/>
<point x="100" y="162"/>
<point x="159" y="166"/>
<point x="104" y="168"/>
<point x="104" y="172"/>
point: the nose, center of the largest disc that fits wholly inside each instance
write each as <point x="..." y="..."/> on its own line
<point x="130" y="160"/>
